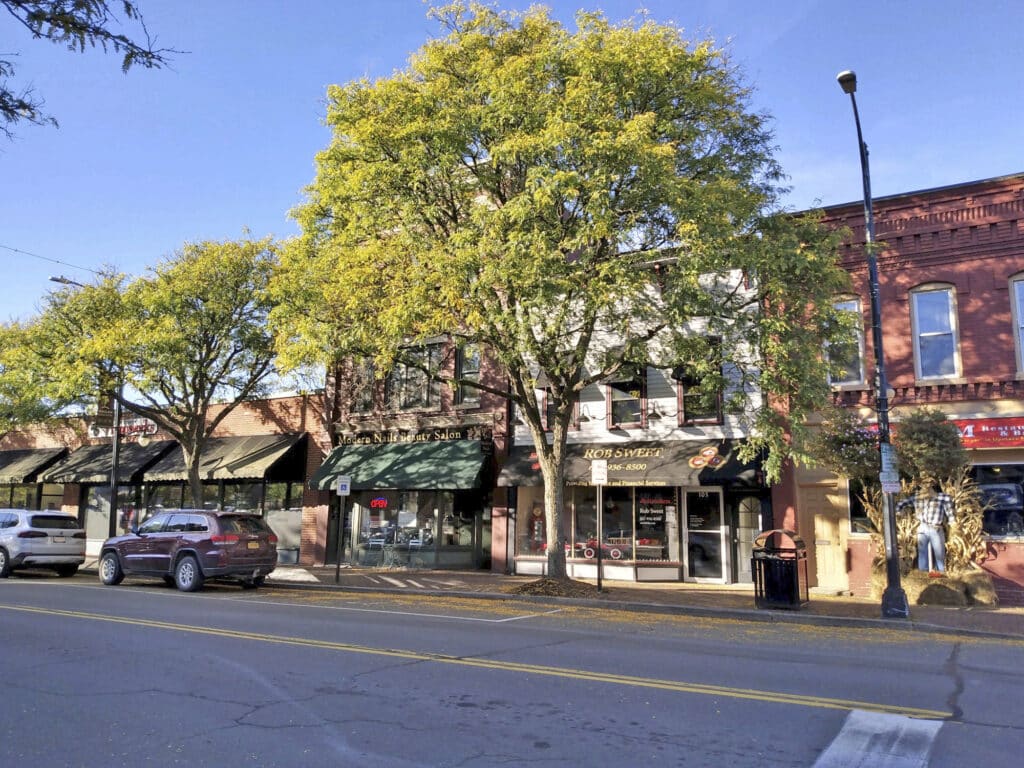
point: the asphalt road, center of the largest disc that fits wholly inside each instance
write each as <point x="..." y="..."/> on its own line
<point x="144" y="675"/>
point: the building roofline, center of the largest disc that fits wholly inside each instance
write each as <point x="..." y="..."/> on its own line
<point x="928" y="191"/>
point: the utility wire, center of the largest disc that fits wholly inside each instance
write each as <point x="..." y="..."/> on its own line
<point x="46" y="258"/>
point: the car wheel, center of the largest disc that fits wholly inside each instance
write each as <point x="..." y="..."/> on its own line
<point x="615" y="553"/>
<point x="66" y="571"/>
<point x="5" y="564"/>
<point x="110" y="569"/>
<point x="187" y="575"/>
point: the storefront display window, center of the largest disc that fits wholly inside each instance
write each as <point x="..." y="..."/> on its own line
<point x="20" y="496"/>
<point x="1002" y="495"/>
<point x="617" y="523"/>
<point x="655" y="515"/>
<point x="242" y="497"/>
<point x="401" y="526"/>
<point x="531" y="530"/>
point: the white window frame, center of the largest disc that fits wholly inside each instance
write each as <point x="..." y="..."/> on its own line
<point x="858" y="311"/>
<point x="1017" y="313"/>
<point x="954" y="330"/>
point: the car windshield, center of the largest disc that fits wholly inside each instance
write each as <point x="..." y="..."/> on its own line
<point x="247" y="524"/>
<point x="54" y="521"/>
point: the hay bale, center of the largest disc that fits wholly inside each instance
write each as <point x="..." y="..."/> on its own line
<point x="943" y="592"/>
<point x="979" y="587"/>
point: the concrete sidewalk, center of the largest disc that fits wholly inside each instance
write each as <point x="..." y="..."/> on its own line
<point x="681" y="598"/>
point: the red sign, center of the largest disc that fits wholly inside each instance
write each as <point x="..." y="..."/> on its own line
<point x="991" y="433"/>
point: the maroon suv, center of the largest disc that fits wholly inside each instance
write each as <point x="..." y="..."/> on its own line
<point x="188" y="546"/>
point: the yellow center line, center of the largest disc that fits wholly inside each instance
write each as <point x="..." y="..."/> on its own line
<point x="510" y="666"/>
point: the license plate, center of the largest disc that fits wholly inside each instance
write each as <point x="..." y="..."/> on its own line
<point x="58" y="539"/>
<point x="254" y="545"/>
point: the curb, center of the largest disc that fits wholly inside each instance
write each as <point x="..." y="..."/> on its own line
<point x="767" y="616"/>
<point x="764" y="616"/>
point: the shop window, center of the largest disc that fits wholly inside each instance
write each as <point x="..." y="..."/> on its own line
<point x="531" y="522"/>
<point x="414" y="384"/>
<point x="20" y="496"/>
<point x="655" y="513"/>
<point x="859" y="520"/>
<point x="243" y="497"/>
<point x="617" y="523"/>
<point x="933" y="314"/>
<point x="846" y="357"/>
<point x="467" y="373"/>
<point x="166" y="496"/>
<point x="626" y="397"/>
<point x="362" y="386"/>
<point x="402" y="526"/>
<point x="1002" y="497"/>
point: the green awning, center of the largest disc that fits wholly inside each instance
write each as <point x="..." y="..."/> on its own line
<point x="441" y="464"/>
<point x="91" y="463"/>
<point x="228" y="458"/>
<point x="22" y="466"/>
<point x="683" y="462"/>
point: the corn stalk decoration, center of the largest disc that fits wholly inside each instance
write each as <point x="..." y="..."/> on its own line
<point x="927" y="446"/>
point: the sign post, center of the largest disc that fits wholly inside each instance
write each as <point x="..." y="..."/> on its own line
<point x="342" y="486"/>
<point x="599" y="477"/>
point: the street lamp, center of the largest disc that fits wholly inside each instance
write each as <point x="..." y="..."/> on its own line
<point x="894" y="599"/>
<point x="115" y="459"/>
<point x="64" y="280"/>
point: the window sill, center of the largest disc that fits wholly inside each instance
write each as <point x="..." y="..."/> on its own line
<point x="940" y="381"/>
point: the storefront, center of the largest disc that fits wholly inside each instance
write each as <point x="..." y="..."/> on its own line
<point x="89" y="468"/>
<point x="20" y="471"/>
<point x="673" y="510"/>
<point x="416" y="498"/>
<point x="262" y="474"/>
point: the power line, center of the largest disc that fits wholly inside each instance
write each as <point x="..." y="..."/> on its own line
<point x="46" y="258"/>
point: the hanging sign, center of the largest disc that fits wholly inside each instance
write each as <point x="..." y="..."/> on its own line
<point x="342" y="485"/>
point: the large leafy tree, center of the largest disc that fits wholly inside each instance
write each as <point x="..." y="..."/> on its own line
<point x="572" y="201"/>
<point x="76" y="25"/>
<point x="167" y="345"/>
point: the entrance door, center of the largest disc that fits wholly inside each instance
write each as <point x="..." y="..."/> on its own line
<point x="748" y="525"/>
<point x="707" y="540"/>
<point x="823" y="510"/>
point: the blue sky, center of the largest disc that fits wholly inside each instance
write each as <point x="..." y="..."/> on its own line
<point x="224" y="141"/>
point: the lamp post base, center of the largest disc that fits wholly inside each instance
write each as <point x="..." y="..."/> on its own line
<point x="894" y="603"/>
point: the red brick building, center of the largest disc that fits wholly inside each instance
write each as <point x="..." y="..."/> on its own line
<point x="951" y="276"/>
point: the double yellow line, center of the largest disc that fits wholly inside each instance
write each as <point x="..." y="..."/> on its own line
<point x="510" y="666"/>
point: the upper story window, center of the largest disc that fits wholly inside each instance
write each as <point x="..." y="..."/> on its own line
<point x="413" y="384"/>
<point x="933" y="312"/>
<point x="1017" y="285"/>
<point x="467" y="372"/>
<point x="627" y="395"/>
<point x="700" y="390"/>
<point x="548" y="411"/>
<point x="362" y="386"/>
<point x="846" y="358"/>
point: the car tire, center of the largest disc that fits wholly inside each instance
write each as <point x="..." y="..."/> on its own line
<point x="66" y="571"/>
<point x="110" y="569"/>
<point x="5" y="564"/>
<point x="253" y="583"/>
<point x="187" y="574"/>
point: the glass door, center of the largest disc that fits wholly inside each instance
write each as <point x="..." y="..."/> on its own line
<point x="706" y="536"/>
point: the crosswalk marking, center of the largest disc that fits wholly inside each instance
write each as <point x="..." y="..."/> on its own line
<point x="877" y="740"/>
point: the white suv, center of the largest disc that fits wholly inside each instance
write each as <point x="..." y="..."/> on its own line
<point x="40" y="539"/>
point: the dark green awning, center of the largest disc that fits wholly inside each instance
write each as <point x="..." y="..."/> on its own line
<point x="91" y="463"/>
<point x="448" y="465"/>
<point x="21" y="466"/>
<point x="683" y="462"/>
<point x="228" y="458"/>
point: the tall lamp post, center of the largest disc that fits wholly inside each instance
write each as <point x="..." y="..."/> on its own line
<point x="894" y="599"/>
